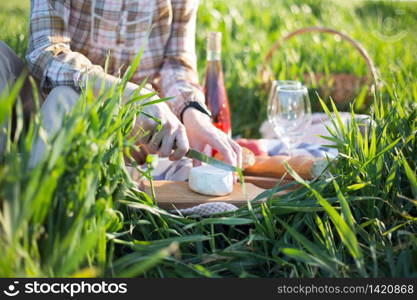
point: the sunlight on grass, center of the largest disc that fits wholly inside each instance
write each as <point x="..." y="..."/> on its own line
<point x="78" y="213"/>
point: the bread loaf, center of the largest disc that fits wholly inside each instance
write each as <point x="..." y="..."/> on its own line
<point x="273" y="166"/>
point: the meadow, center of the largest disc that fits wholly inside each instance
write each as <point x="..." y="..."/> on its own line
<point x="78" y="213"/>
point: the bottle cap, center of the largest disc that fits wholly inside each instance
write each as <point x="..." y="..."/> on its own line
<point x="214" y="41"/>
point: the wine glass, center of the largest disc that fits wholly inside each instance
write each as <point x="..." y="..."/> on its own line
<point x="272" y="91"/>
<point x="289" y="113"/>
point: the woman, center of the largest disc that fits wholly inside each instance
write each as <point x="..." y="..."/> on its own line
<point x="70" y="41"/>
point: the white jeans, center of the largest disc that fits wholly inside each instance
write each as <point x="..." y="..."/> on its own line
<point x="54" y="106"/>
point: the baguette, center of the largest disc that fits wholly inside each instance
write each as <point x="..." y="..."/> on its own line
<point x="273" y="166"/>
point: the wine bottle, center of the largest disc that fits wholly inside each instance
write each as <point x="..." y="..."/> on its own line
<point x="214" y="89"/>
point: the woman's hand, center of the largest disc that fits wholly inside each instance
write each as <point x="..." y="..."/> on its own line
<point x="202" y="132"/>
<point x="170" y="141"/>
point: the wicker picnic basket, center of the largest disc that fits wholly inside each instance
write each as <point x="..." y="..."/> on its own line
<point x="342" y="87"/>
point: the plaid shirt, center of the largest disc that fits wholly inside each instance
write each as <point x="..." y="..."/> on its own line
<point x="70" y="38"/>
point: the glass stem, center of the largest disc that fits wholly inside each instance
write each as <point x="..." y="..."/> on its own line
<point x="289" y="143"/>
<point x="289" y="148"/>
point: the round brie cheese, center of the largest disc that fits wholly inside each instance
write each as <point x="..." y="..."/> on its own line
<point x="208" y="180"/>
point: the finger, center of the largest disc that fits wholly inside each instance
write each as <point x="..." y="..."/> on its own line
<point x="146" y="130"/>
<point x="225" y="149"/>
<point x="155" y="142"/>
<point x="145" y="137"/>
<point x="229" y="156"/>
<point x="139" y="155"/>
<point x="199" y="147"/>
<point x="239" y="153"/>
<point x="167" y="145"/>
<point x="182" y="144"/>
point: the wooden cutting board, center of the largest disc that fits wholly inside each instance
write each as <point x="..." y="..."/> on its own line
<point x="174" y="194"/>
<point x="267" y="182"/>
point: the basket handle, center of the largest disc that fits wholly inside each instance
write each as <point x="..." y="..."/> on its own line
<point x="265" y="73"/>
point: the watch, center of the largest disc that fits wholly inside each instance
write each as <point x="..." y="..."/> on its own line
<point x="196" y="105"/>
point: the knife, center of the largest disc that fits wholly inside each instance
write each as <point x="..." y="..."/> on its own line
<point x="194" y="154"/>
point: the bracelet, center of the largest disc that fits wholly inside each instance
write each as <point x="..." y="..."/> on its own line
<point x="196" y="105"/>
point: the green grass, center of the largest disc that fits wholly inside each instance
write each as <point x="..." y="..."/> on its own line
<point x="79" y="214"/>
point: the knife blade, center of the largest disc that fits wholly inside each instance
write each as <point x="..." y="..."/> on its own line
<point x="194" y="154"/>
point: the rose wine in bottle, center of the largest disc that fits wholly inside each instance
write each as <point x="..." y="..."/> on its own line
<point x="214" y="90"/>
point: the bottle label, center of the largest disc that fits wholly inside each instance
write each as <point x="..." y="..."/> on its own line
<point x="213" y="55"/>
